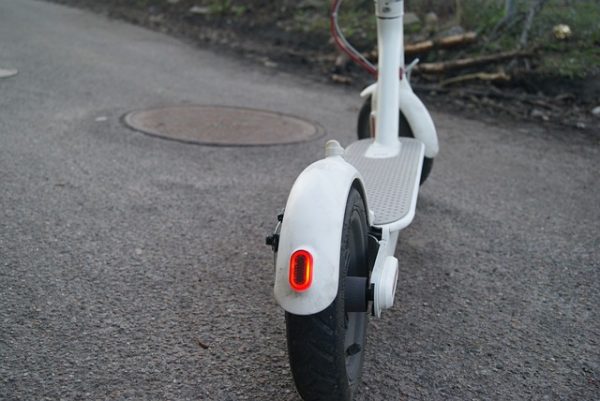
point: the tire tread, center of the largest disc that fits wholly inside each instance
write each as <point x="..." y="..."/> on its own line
<point x="317" y="357"/>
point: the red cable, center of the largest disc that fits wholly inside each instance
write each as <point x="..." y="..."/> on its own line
<point x="351" y="53"/>
<point x="353" y="56"/>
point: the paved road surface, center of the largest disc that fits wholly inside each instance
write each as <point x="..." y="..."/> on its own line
<point x="121" y="253"/>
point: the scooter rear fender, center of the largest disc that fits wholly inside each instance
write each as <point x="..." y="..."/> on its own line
<point x="313" y="220"/>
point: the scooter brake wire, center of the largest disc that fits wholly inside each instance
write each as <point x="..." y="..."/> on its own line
<point x="344" y="45"/>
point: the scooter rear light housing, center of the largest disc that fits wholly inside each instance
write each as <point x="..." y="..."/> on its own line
<point x="301" y="270"/>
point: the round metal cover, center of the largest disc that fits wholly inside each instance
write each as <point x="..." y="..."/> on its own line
<point x="219" y="125"/>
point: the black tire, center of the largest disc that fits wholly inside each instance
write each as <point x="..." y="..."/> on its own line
<point x="326" y="350"/>
<point x="364" y="131"/>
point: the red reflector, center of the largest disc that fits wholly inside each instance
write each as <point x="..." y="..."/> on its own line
<point x="301" y="270"/>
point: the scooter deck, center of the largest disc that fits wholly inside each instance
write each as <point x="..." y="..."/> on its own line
<point x="392" y="183"/>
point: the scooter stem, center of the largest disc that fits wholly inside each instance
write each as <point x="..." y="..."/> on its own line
<point x="390" y="43"/>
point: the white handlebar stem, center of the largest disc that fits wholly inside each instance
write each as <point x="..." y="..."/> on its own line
<point x="389" y="8"/>
<point x="390" y="44"/>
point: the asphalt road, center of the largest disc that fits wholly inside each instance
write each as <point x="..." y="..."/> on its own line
<point x="135" y="268"/>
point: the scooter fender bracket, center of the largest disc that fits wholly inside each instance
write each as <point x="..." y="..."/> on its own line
<point x="313" y="221"/>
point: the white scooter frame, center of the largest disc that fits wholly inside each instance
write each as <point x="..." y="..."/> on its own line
<point x="386" y="172"/>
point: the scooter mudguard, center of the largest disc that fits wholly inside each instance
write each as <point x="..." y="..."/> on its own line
<point x="312" y="222"/>
<point x="416" y="114"/>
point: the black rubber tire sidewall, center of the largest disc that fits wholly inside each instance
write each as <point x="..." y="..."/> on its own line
<point x="316" y="346"/>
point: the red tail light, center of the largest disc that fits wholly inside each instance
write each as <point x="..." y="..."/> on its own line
<point x="301" y="270"/>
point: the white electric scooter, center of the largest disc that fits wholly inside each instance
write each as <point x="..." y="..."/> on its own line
<point x="336" y="238"/>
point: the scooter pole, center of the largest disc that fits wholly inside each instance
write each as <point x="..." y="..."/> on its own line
<point x="390" y="36"/>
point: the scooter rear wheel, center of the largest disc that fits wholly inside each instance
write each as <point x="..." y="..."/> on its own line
<point x="326" y="350"/>
<point x="364" y="132"/>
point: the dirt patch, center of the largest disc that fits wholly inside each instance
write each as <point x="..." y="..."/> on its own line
<point x="277" y="44"/>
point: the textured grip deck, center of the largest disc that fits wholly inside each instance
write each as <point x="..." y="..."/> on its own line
<point x="390" y="183"/>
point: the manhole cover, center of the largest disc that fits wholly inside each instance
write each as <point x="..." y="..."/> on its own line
<point x="218" y="125"/>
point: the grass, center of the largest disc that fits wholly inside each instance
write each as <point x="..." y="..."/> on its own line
<point x="306" y="24"/>
<point x="578" y="56"/>
<point x="575" y="57"/>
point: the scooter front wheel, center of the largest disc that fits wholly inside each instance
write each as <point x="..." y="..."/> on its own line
<point x="326" y="350"/>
